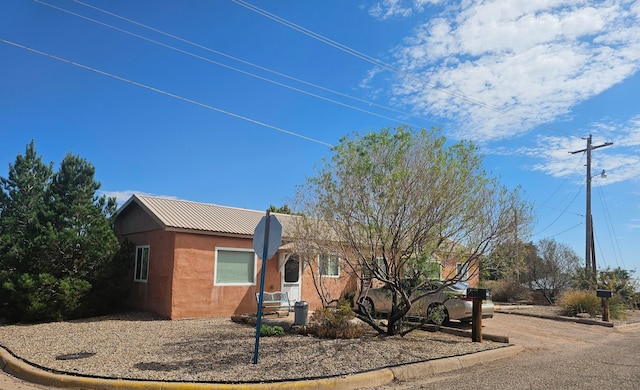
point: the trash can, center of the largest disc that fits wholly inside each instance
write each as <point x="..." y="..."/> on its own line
<point x="301" y="311"/>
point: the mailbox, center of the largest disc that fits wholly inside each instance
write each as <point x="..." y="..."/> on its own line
<point x="604" y="293"/>
<point x="477" y="293"/>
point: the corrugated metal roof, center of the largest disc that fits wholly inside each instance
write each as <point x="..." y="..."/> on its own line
<point x="182" y="214"/>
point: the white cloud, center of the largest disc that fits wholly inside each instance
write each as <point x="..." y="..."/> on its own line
<point x="621" y="161"/>
<point x="502" y="61"/>
<point x="388" y="9"/>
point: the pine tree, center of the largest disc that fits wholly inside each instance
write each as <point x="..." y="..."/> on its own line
<point x="59" y="256"/>
<point x="24" y="232"/>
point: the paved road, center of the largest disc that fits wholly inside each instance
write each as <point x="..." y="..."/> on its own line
<point x="558" y="355"/>
<point x="7" y="382"/>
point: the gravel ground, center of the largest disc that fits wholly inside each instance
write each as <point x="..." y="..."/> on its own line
<point x="141" y="346"/>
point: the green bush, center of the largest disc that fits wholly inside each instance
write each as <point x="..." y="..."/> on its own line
<point x="43" y="297"/>
<point x="574" y="302"/>
<point x="335" y="323"/>
<point x="268" y="330"/>
<point x="617" y="308"/>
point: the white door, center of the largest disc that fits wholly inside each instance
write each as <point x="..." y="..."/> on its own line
<point x="291" y="278"/>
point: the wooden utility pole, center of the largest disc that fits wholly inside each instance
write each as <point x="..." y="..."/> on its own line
<point x="589" y="258"/>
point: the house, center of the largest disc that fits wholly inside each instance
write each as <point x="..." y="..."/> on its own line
<point x="197" y="260"/>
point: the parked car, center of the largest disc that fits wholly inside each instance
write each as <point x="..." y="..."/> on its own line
<point x="440" y="306"/>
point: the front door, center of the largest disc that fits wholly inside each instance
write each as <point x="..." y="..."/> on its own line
<point x="291" y="278"/>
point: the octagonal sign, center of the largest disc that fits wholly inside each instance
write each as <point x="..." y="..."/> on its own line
<point x="272" y="237"/>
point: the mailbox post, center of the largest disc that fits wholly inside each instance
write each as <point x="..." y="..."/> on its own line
<point x="605" y="295"/>
<point x="477" y="295"/>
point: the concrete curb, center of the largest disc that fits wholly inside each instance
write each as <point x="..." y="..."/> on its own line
<point x="628" y="327"/>
<point x="586" y="321"/>
<point x="464" y="333"/>
<point x="25" y="371"/>
<point x="439" y="366"/>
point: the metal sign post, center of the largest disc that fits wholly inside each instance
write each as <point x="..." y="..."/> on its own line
<point x="267" y="236"/>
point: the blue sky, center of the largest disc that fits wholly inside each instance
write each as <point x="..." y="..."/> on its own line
<point x="235" y="103"/>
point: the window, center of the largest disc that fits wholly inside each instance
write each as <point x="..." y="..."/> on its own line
<point x="142" y="264"/>
<point x="329" y="265"/>
<point x="292" y="270"/>
<point x="462" y="270"/>
<point x="370" y="267"/>
<point x="235" y="267"/>
<point x="432" y="270"/>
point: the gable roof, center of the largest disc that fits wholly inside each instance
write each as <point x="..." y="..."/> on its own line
<point x="174" y="214"/>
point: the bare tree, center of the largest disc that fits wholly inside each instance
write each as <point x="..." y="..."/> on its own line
<point x="553" y="271"/>
<point x="391" y="202"/>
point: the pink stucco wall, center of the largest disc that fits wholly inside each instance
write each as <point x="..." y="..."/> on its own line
<point x="155" y="294"/>
<point x="195" y="293"/>
<point x="181" y="278"/>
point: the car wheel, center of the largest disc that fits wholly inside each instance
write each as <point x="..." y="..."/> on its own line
<point x="438" y="314"/>
<point x="366" y="306"/>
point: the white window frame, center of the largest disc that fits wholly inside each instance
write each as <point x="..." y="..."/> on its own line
<point x="464" y="276"/>
<point x="320" y="270"/>
<point x="227" y="249"/>
<point x="138" y="264"/>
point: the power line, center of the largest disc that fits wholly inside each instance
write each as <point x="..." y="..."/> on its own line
<point x="566" y="230"/>
<point x="218" y="63"/>
<point x="610" y="228"/>
<point x="560" y="215"/>
<point x="564" y="211"/>
<point x="603" y="259"/>
<point x="280" y="74"/>
<point x="384" y="65"/>
<point x="197" y="103"/>
<point x="555" y="191"/>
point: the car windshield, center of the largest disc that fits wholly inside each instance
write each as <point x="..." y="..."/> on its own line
<point x="459" y="286"/>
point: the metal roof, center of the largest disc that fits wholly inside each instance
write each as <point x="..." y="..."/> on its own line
<point x="182" y="214"/>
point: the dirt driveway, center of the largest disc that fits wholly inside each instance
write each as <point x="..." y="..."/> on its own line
<point x="540" y="334"/>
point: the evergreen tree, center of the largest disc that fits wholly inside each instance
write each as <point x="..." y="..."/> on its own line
<point x="59" y="255"/>
<point x="24" y="233"/>
<point x="83" y="240"/>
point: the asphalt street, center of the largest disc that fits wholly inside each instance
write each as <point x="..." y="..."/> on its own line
<point x="557" y="355"/>
<point x="8" y="382"/>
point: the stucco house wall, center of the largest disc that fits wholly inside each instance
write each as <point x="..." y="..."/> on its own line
<point x="194" y="292"/>
<point x="155" y="294"/>
<point x="183" y="238"/>
<point x="181" y="276"/>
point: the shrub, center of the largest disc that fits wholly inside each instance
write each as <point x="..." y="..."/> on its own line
<point x="574" y="302"/>
<point x="43" y="297"/>
<point x="507" y="291"/>
<point x="268" y="330"/>
<point x="335" y="323"/>
<point x="617" y="308"/>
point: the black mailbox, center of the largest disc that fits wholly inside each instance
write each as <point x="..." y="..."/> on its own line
<point x="604" y="293"/>
<point x="477" y="293"/>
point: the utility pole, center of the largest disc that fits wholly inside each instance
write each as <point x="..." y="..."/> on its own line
<point x="589" y="245"/>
